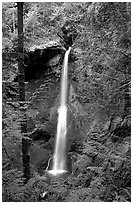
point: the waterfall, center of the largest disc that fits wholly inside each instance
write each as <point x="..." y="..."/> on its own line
<point x="60" y="145"/>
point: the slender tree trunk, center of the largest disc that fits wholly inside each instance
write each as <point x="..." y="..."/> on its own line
<point x="127" y="102"/>
<point x="13" y="21"/>
<point x="23" y="117"/>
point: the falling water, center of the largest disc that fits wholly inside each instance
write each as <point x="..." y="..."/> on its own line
<point x="60" y="145"/>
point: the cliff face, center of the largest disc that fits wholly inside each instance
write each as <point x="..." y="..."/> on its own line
<point x="43" y="95"/>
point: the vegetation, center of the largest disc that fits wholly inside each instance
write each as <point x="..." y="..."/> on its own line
<point x="99" y="118"/>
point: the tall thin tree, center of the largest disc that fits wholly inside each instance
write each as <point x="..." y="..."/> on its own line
<point x="25" y="142"/>
<point x="13" y="20"/>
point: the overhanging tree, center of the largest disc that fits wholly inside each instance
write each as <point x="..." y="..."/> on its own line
<point x="23" y="118"/>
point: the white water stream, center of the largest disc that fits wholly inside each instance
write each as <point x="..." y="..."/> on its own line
<point x="60" y="145"/>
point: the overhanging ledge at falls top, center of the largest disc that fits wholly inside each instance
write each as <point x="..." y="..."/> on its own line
<point x="38" y="58"/>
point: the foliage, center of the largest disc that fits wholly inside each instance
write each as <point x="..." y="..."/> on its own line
<point x="99" y="102"/>
<point x="14" y="189"/>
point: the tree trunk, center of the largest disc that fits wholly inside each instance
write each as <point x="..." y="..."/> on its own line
<point x="21" y="79"/>
<point x="127" y="102"/>
<point x="13" y="22"/>
<point x="125" y="85"/>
